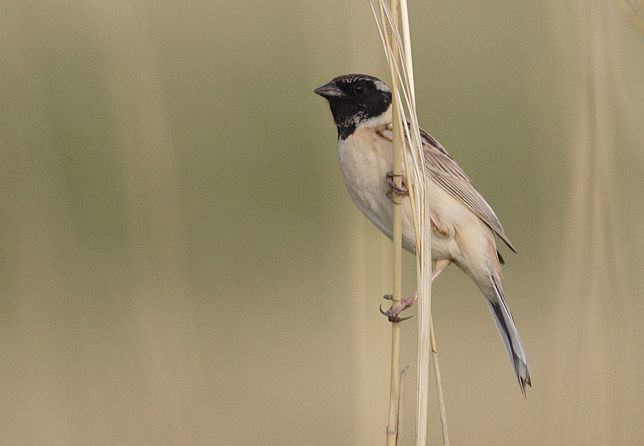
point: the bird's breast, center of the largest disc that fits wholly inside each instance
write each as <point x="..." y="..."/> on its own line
<point x="365" y="158"/>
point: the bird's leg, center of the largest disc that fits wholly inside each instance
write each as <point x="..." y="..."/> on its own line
<point x="401" y="191"/>
<point x="439" y="267"/>
<point x="393" y="313"/>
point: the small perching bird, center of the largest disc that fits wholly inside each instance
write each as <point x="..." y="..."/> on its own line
<point x="464" y="226"/>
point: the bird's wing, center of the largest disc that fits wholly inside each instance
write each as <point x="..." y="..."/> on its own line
<point x="448" y="175"/>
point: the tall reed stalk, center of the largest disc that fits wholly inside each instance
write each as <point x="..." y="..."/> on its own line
<point x="411" y="163"/>
<point x="394" y="385"/>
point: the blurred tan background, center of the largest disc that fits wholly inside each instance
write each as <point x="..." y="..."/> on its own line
<point x="181" y="265"/>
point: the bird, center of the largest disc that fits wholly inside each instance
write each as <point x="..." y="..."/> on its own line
<point x="464" y="226"/>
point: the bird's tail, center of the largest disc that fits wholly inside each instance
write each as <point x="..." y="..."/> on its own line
<point x="509" y="334"/>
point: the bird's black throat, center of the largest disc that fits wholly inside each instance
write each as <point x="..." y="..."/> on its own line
<point x="345" y="130"/>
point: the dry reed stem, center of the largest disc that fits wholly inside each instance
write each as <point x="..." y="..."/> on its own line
<point x="399" y="58"/>
<point x="394" y="385"/>
<point x="401" y="399"/>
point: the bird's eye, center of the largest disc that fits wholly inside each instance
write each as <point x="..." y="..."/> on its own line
<point x="358" y="89"/>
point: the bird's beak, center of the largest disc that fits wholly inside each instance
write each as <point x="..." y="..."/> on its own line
<point x="329" y="90"/>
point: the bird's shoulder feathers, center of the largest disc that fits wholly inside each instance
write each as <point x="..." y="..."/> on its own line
<point x="446" y="172"/>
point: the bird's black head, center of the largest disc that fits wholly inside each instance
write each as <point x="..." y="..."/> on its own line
<point x="355" y="98"/>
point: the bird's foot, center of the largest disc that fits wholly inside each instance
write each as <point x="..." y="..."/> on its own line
<point x="394" y="189"/>
<point x="393" y="313"/>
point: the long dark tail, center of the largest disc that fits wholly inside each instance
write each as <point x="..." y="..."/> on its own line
<point x="509" y="334"/>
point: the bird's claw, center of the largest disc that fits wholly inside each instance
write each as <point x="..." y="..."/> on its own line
<point x="399" y="191"/>
<point x="393" y="313"/>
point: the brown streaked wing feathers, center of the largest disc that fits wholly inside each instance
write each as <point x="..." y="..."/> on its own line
<point x="448" y="174"/>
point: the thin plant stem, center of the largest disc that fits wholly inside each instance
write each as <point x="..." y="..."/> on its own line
<point x="394" y="385"/>
<point x="401" y="400"/>
<point x="439" y="384"/>
<point x="399" y="58"/>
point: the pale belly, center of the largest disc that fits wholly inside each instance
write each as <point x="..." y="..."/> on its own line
<point x="365" y="162"/>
